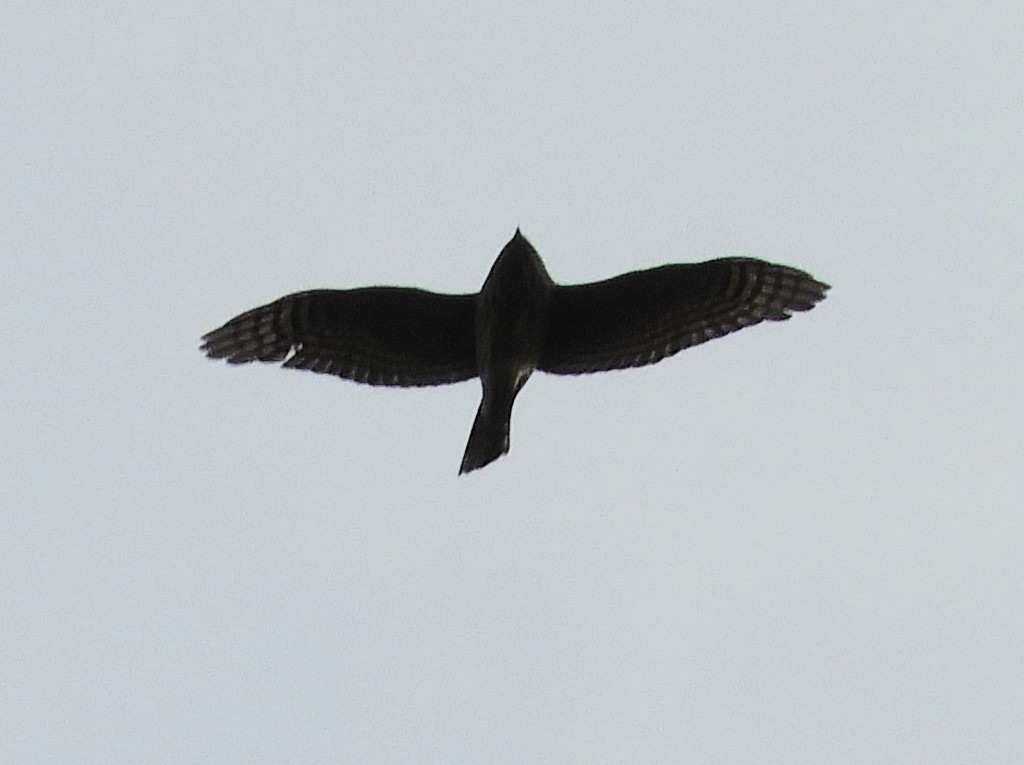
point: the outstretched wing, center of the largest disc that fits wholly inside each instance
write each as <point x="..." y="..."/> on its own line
<point x="375" y="335"/>
<point x="641" y="317"/>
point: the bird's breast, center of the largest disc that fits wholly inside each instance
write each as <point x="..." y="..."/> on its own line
<point x="511" y="317"/>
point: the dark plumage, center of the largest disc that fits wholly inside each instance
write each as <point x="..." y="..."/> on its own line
<point x="518" y="322"/>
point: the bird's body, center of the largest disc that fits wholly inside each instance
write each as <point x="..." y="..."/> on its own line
<point x="520" y="321"/>
<point x="511" y="321"/>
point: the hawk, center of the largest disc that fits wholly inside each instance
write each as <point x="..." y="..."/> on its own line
<point x="519" y="322"/>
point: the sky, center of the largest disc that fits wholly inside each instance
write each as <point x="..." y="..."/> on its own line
<point x="801" y="543"/>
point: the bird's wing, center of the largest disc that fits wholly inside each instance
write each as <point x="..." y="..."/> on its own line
<point x="375" y="335"/>
<point x="641" y="317"/>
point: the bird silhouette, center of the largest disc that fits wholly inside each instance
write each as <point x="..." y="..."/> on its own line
<point x="519" y="322"/>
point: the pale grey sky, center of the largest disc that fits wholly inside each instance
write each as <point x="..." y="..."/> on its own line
<point x="799" y="544"/>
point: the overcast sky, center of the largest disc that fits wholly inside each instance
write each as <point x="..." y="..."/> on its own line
<point x="802" y="543"/>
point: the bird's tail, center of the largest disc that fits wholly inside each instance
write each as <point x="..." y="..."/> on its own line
<point x="489" y="438"/>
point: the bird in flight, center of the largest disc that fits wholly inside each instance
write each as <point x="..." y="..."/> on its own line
<point x="519" y="322"/>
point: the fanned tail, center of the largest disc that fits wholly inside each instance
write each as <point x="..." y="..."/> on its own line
<point x="489" y="438"/>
